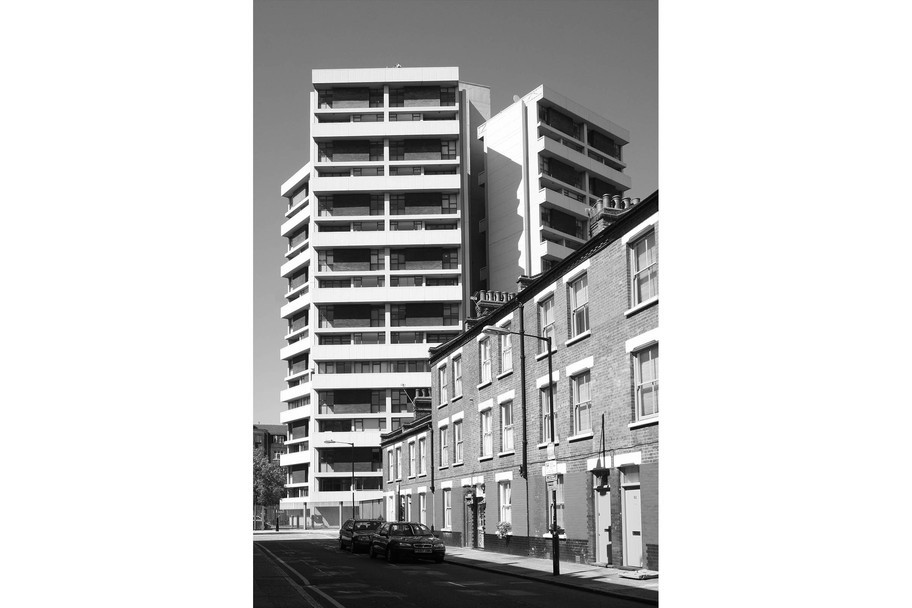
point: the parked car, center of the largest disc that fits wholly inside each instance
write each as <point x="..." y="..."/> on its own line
<point x="397" y="540"/>
<point x="356" y="533"/>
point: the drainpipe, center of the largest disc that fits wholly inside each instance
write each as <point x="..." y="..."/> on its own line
<point x="522" y="392"/>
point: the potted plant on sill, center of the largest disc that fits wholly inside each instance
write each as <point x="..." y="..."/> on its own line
<point x="504" y="528"/>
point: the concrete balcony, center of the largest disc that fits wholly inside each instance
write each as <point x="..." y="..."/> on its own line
<point x="287" y="460"/>
<point x="372" y="352"/>
<point x="551" y="250"/>
<point x="389" y="238"/>
<point x="380" y="380"/>
<point x="298" y="413"/>
<point x="295" y="306"/>
<point x="295" y="392"/>
<point x="296" y="221"/>
<point x="552" y="198"/>
<point x="386" y="183"/>
<point x="294" y="349"/>
<point x="363" y="130"/>
<point x="581" y="162"/>
<point x="332" y="499"/>
<point x="379" y="295"/>
<point x="368" y="438"/>
<point x="291" y="504"/>
<point x="295" y="264"/>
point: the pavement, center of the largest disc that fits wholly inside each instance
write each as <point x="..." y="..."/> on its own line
<point x="594" y="578"/>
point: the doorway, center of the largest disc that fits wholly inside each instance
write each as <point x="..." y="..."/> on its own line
<point x="602" y="501"/>
<point x="632" y="519"/>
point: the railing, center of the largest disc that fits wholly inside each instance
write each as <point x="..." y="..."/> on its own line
<point x="568" y="193"/>
<point x="566" y="142"/>
<point x="552" y="175"/>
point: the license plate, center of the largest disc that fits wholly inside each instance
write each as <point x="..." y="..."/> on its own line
<point x="422" y="550"/>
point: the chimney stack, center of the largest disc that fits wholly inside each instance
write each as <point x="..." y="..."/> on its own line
<point x="607" y="210"/>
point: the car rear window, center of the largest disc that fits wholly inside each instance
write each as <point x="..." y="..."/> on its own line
<point x="367" y="525"/>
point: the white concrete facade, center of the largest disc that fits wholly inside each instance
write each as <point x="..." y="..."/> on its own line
<point x="547" y="159"/>
<point x="375" y="224"/>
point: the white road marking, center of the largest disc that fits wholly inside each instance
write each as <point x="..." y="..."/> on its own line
<point x="304" y="594"/>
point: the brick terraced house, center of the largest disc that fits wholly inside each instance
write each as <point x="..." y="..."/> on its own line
<point x="484" y="457"/>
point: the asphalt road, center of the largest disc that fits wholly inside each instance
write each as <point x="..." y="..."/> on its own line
<point x="316" y="574"/>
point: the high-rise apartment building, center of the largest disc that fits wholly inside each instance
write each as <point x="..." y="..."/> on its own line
<point x="548" y="160"/>
<point x="376" y="226"/>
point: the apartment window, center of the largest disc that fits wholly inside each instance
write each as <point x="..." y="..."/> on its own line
<point x="484" y="356"/>
<point x="582" y="403"/>
<point x="544" y="405"/>
<point x="448" y="96"/>
<point x="448" y="149"/>
<point x="487" y="438"/>
<point x="442" y="384"/>
<point x="448" y="203"/>
<point x="457" y="441"/>
<point x="444" y="446"/>
<point x="646" y="379"/>
<point x="447" y="508"/>
<point x="559" y="487"/>
<point x="506" y="426"/>
<point x="457" y="377"/>
<point x="545" y="323"/>
<point x="412" y="470"/>
<point x="579" y="306"/>
<point x="422" y="508"/>
<point x="422" y="456"/>
<point x="390" y="472"/>
<point x="505" y="500"/>
<point x="644" y="269"/>
<point x="506" y="353"/>
<point x="398" y="463"/>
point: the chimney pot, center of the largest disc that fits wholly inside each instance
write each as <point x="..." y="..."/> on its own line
<point x="634" y="201"/>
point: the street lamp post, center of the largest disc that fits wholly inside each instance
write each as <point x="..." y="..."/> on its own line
<point x="350" y="443"/>
<point x="492" y="330"/>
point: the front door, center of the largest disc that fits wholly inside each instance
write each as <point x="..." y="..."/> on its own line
<point x="633" y="525"/>
<point x="481" y="523"/>
<point x="603" y="526"/>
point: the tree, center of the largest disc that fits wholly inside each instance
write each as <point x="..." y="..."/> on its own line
<point x="268" y="483"/>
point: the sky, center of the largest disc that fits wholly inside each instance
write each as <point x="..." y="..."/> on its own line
<point x="601" y="54"/>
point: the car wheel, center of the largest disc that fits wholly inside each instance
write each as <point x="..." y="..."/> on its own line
<point x="391" y="556"/>
<point x="341" y="545"/>
<point x="352" y="546"/>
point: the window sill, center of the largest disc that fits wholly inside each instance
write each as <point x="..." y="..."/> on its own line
<point x="458" y="464"/>
<point x="578" y="338"/>
<point x="586" y="435"/>
<point x="541" y="356"/>
<point x="560" y="536"/>
<point x="644" y="422"/>
<point x="505" y="374"/>
<point x="641" y="306"/>
<point x="410" y="477"/>
<point x="443" y="466"/>
<point x="483" y="384"/>
<point x="546" y="444"/>
<point x="444" y="404"/>
<point x="483" y="458"/>
<point x="455" y="399"/>
<point x="510" y="453"/>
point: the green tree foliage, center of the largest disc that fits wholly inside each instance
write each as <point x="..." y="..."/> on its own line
<point x="268" y="481"/>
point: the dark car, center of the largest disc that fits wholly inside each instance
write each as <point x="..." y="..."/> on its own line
<point x="356" y="533"/>
<point x="397" y="540"/>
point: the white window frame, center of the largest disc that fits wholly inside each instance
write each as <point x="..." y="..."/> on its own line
<point x="444" y="446"/>
<point x="447" y="508"/>
<point x="457" y="377"/>
<point x="399" y="462"/>
<point x="458" y="442"/>
<point x="638" y="383"/>
<point x="487" y="433"/>
<point x="579" y="311"/>
<point x="578" y="405"/>
<point x="390" y="470"/>
<point x="652" y="269"/>
<point x="422" y="508"/>
<point x="545" y="307"/>
<point x="442" y="386"/>
<point x="412" y="471"/>
<point x="506" y="430"/>
<point x="484" y="358"/>
<point x="422" y="455"/>
<point x="506" y="353"/>
<point x="545" y="414"/>
<point x="505" y="500"/>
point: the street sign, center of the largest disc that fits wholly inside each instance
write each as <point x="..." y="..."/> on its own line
<point x="551" y="479"/>
<point x="550" y="468"/>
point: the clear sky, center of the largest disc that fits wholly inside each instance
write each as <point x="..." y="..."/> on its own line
<point x="603" y="54"/>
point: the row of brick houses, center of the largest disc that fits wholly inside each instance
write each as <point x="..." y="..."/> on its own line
<point x="481" y="457"/>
